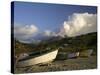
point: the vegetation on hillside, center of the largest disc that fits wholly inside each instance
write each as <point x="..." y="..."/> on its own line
<point x="72" y="44"/>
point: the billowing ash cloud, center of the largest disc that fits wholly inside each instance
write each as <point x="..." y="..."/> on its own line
<point x="79" y="23"/>
<point x="25" y="33"/>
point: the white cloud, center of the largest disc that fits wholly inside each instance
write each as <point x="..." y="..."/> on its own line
<point x="49" y="33"/>
<point x="25" y="29"/>
<point x="30" y="33"/>
<point x="79" y="23"/>
<point x="23" y="33"/>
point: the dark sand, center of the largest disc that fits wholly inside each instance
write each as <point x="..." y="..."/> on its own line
<point x="62" y="65"/>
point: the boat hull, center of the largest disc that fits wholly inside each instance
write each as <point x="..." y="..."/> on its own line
<point x="40" y="59"/>
<point x="73" y="55"/>
<point x="86" y="53"/>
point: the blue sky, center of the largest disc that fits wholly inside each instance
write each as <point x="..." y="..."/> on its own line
<point x="41" y="20"/>
<point x="46" y="16"/>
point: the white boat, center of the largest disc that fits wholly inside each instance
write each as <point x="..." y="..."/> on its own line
<point x="38" y="59"/>
<point x="73" y="55"/>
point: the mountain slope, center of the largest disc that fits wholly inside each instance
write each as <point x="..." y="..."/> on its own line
<point x="77" y="43"/>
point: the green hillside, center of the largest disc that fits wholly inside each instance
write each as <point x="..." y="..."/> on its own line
<point x="70" y="44"/>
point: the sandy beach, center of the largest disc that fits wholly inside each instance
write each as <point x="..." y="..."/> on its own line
<point x="79" y="63"/>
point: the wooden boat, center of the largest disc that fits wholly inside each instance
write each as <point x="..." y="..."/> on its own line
<point x="86" y="53"/>
<point x="38" y="58"/>
<point x="73" y="55"/>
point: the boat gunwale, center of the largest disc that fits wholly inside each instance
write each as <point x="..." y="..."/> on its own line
<point x="38" y="55"/>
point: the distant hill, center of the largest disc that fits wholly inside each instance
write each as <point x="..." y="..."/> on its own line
<point x="22" y="47"/>
<point x="77" y="43"/>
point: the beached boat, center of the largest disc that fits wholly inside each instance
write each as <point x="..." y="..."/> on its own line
<point x="73" y="55"/>
<point x="86" y="53"/>
<point x="38" y="58"/>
